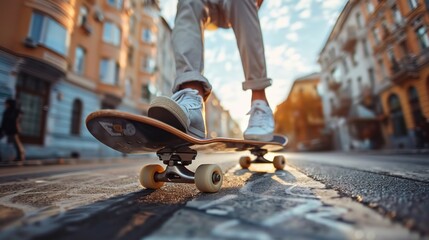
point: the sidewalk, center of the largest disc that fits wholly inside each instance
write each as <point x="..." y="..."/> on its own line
<point x="65" y="161"/>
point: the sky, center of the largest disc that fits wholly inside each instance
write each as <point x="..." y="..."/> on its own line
<point x="294" y="32"/>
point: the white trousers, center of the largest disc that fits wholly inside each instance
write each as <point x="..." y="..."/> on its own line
<point x="188" y="41"/>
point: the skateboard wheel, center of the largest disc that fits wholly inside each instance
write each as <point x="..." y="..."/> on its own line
<point x="245" y="162"/>
<point x="147" y="176"/>
<point x="279" y="162"/>
<point x="208" y="178"/>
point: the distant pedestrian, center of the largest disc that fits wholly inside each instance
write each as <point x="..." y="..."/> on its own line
<point x="10" y="127"/>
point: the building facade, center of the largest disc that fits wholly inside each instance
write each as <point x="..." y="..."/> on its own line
<point x="64" y="59"/>
<point x="374" y="75"/>
<point x="219" y="122"/>
<point x="398" y="34"/>
<point x="348" y="82"/>
<point x="300" y="116"/>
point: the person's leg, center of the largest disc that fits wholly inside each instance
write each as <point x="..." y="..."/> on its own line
<point x="185" y="109"/>
<point x="188" y="45"/>
<point x="244" y="20"/>
<point x="20" y="153"/>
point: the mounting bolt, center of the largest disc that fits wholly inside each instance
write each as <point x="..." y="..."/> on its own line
<point x="215" y="177"/>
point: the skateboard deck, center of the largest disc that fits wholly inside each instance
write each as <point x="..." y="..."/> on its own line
<point x="131" y="133"/>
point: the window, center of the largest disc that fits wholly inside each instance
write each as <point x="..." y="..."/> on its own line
<point x="413" y="4"/>
<point x="397" y="116"/>
<point x="148" y="36"/>
<point x="336" y="74"/>
<point x="111" y="34"/>
<point x="130" y="55"/>
<point x="404" y="48"/>
<point x="359" y="20"/>
<point x="376" y="35"/>
<point x="76" y="116"/>
<point x="79" y="60"/>
<point x="422" y="35"/>
<point x="413" y="99"/>
<point x="109" y="71"/>
<point x="148" y="64"/>
<point x="83" y="16"/>
<point x="397" y="16"/>
<point x="360" y="84"/>
<point x="346" y="68"/>
<point x="45" y="30"/>
<point x="365" y="48"/>
<point x="132" y="23"/>
<point x="145" y="92"/>
<point x="116" y="3"/>
<point x="371" y="77"/>
<point x="128" y="87"/>
<point x="354" y="57"/>
<point x="33" y="94"/>
<point x="392" y="58"/>
<point x="369" y="6"/>
<point x="382" y="69"/>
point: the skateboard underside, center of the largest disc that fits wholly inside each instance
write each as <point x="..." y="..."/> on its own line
<point x="129" y="133"/>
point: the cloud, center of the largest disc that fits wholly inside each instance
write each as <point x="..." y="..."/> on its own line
<point x="303" y="4"/>
<point x="296" y="26"/>
<point x="293" y="36"/>
<point x="228" y="66"/>
<point x="228" y="35"/>
<point x="168" y="10"/>
<point x="305" y="14"/>
<point x="282" y="22"/>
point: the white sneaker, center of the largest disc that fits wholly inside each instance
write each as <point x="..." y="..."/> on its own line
<point x="183" y="111"/>
<point x="261" y="122"/>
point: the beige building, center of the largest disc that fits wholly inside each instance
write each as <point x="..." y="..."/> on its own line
<point x="300" y="116"/>
<point x="219" y="122"/>
<point x="398" y="35"/>
<point x="375" y="74"/>
<point x="348" y="82"/>
<point x="64" y="59"/>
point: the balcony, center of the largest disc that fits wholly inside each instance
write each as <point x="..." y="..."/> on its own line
<point x="352" y="36"/>
<point x="342" y="108"/>
<point x="366" y="96"/>
<point x="334" y="85"/>
<point x="405" y="69"/>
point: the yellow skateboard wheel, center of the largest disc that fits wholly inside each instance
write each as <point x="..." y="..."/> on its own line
<point x="147" y="176"/>
<point x="208" y="178"/>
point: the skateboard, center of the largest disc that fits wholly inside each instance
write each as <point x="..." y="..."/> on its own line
<point x="131" y="133"/>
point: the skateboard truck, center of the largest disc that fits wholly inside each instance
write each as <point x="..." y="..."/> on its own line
<point x="176" y="160"/>
<point x="279" y="161"/>
<point x="207" y="177"/>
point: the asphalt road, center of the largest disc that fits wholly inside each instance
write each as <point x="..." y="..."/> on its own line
<point x="347" y="196"/>
<point x="394" y="184"/>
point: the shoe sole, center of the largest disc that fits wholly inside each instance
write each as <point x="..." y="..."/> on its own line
<point x="263" y="138"/>
<point x="167" y="111"/>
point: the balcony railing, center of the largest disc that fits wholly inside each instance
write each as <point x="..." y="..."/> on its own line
<point x="351" y="39"/>
<point x="405" y="69"/>
<point x="334" y="85"/>
<point x="341" y="109"/>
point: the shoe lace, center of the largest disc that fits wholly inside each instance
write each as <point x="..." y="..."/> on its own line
<point x="188" y="98"/>
<point x="258" y="117"/>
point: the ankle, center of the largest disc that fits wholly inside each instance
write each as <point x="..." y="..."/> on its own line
<point x="259" y="95"/>
<point x="194" y="85"/>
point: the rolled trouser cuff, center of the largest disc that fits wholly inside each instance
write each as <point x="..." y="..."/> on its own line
<point x="257" y="84"/>
<point x="192" y="76"/>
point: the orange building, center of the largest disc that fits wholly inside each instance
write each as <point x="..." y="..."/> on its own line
<point x="398" y="32"/>
<point x="64" y="59"/>
<point x="300" y="116"/>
